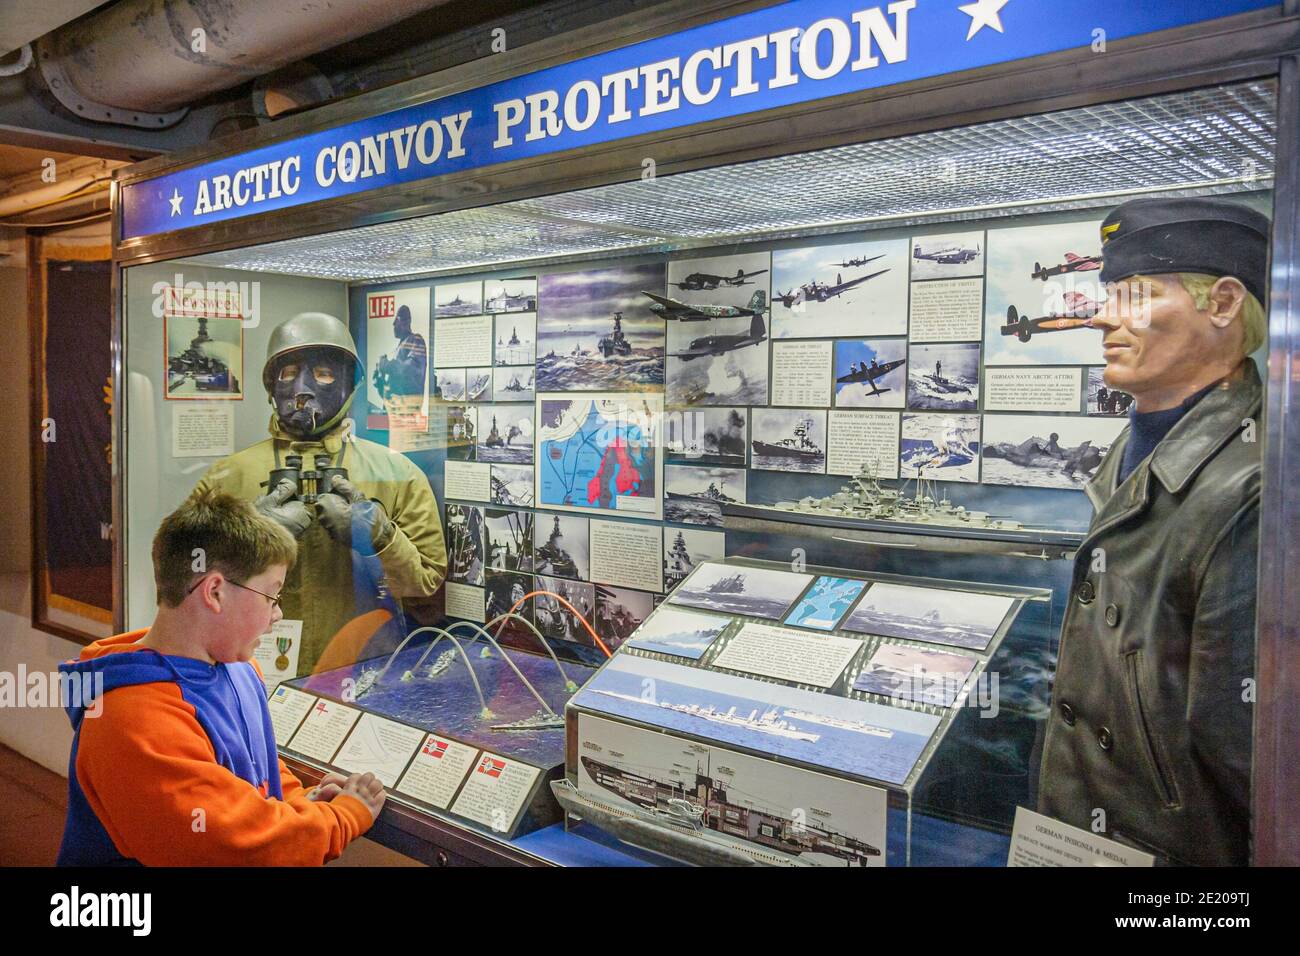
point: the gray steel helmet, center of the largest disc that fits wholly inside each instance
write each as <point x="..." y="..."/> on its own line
<point x="308" y="330"/>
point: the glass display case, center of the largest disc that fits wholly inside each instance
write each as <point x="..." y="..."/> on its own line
<point x="616" y="425"/>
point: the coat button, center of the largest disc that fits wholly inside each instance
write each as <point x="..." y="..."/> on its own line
<point x="1086" y="593"/>
<point x="1067" y="713"/>
<point x="1112" y="615"/>
<point x="1104" y="738"/>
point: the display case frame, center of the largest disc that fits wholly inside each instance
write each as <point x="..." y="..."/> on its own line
<point x="1264" y="44"/>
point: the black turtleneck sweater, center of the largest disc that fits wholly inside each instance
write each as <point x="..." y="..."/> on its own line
<point x="1148" y="429"/>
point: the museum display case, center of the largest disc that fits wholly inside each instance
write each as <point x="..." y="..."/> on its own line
<point x="736" y="498"/>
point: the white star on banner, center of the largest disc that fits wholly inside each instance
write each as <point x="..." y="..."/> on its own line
<point x="983" y="13"/>
<point x="175" y="200"/>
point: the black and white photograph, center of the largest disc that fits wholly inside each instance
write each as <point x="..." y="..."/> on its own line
<point x="556" y="619"/>
<point x="561" y="546"/>
<point x="685" y="549"/>
<point x="1103" y="400"/>
<point x="734" y="589"/>
<point x="597" y="333"/>
<point x="458" y="298"/>
<point x="788" y="439"/>
<point x="516" y="339"/>
<point x="840" y="291"/>
<point x="723" y="364"/>
<point x="464" y="532"/>
<point x="967" y="619"/>
<point x="696" y="493"/>
<point x="512" y="485"/>
<point x="1041" y="293"/>
<point x="461" y="424"/>
<point x="397" y="350"/>
<point x="505" y="589"/>
<point x="619" y="612"/>
<point x="508" y="539"/>
<point x="944" y="377"/>
<point x="680" y="633"/>
<point x="1046" y="451"/>
<point x="953" y="256"/>
<point x="505" y="433"/>
<point x="510" y="295"/>
<point x="940" y="447"/>
<point x="871" y="373"/>
<point x="514" y="383"/>
<point x="449" y="384"/>
<point x="478" y="384"/>
<point x="720" y="280"/>
<point x="706" y="436"/>
<point x="918" y="674"/>
<point x="205" y="357"/>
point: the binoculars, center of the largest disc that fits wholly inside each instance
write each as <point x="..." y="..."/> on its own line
<point x="307" y="485"/>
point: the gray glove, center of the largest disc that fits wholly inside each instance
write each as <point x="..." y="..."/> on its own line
<point x="352" y="519"/>
<point x="282" y="507"/>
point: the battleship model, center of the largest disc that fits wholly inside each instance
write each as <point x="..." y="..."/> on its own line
<point x="442" y="662"/>
<point x="364" y="683"/>
<point x="700" y="822"/>
<point x="616" y="343"/>
<point x="798" y="446"/>
<point x="542" y="720"/>
<point x="864" y="503"/>
<point x="769" y="723"/>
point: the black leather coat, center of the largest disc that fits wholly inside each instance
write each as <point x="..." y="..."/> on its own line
<point x="1151" y="714"/>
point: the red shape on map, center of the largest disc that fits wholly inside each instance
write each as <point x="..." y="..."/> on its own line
<point x="624" y="474"/>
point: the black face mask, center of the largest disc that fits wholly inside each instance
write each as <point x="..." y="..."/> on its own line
<point x="310" y="387"/>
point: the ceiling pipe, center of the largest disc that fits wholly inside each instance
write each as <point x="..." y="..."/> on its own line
<point x="142" y="62"/>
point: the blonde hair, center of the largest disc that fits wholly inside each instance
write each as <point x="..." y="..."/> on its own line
<point x="226" y="533"/>
<point x="1253" y="318"/>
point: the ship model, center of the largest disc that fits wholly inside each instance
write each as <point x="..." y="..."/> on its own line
<point x="542" y="720"/>
<point x="798" y="446"/>
<point x="864" y="503"/>
<point x="616" y="343"/>
<point x="700" y="822"/>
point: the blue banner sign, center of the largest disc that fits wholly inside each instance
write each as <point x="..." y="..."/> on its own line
<point x="791" y="53"/>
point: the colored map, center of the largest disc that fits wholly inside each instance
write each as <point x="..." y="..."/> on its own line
<point x="599" y="454"/>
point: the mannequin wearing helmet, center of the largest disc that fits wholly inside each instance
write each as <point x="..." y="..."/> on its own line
<point x="367" y="542"/>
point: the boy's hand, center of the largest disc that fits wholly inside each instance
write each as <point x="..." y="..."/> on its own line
<point x="330" y="786"/>
<point x="367" y="788"/>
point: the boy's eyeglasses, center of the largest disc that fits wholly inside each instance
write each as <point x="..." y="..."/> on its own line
<point x="273" y="598"/>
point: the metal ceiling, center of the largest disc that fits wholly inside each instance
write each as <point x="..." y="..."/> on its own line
<point x="1219" y="139"/>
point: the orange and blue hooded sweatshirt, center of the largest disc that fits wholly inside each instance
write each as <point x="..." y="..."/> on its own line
<point x="175" y="765"/>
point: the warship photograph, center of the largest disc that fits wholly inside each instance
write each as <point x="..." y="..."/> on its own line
<point x="696" y="495"/>
<point x="516" y="337"/>
<point x="703" y="822"/>
<point x="679" y="633"/>
<point x="755" y="592"/>
<point x="933" y="615"/>
<point x="505" y="434"/>
<point x="789" y="440"/>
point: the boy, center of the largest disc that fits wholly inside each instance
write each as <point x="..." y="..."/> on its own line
<point x="176" y="763"/>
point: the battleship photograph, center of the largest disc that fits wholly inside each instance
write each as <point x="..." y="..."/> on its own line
<point x="516" y="339"/>
<point x="967" y="619"/>
<point x="451" y="384"/>
<point x="505" y="434"/>
<point x="205" y="357"/>
<point x="944" y="377"/>
<point x="789" y="439"/>
<point x="596" y="332"/>
<point x="685" y="549"/>
<point x="457" y="299"/>
<point x="510" y="295"/>
<point x="680" y="633"/>
<point x="917" y="674"/>
<point x="512" y="485"/>
<point x="1046" y="451"/>
<point x="941" y="447"/>
<point x="508" y="539"/>
<point x="826" y="603"/>
<point x="850" y="736"/>
<point x="478" y="384"/>
<point x="735" y="589"/>
<point x="560" y="546"/>
<point x="514" y="383"/>
<point x="710" y="819"/>
<point x="694" y="495"/>
<point x="706" y="436"/>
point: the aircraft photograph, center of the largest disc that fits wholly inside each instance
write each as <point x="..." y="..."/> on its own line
<point x="815" y="291"/>
<point x="868" y="374"/>
<point x="721" y="344"/>
<point x="857" y="262"/>
<point x="698" y="281"/>
<point x="952" y="255"/>
<point x="1079" y="310"/>
<point x="1073" y="263"/>
<point x="670" y="308"/>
